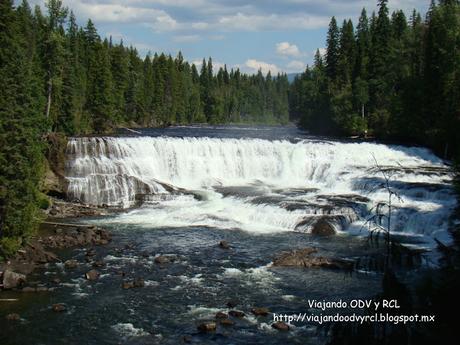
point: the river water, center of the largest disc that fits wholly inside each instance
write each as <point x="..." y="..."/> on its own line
<point x="262" y="189"/>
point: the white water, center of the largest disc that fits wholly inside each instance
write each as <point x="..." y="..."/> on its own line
<point x="113" y="171"/>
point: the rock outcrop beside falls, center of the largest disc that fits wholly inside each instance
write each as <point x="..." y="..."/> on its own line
<point x="54" y="182"/>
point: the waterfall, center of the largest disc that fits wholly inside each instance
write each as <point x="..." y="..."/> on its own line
<point x="118" y="171"/>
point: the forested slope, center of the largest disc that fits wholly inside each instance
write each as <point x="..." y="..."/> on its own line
<point x="56" y="76"/>
<point x="391" y="76"/>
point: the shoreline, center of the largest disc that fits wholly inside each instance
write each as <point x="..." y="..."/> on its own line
<point x="53" y="235"/>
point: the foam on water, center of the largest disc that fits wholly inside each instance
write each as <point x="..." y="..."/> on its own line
<point x="191" y="172"/>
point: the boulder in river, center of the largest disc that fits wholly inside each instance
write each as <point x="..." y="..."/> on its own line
<point x="92" y="275"/>
<point x="226" y="322"/>
<point x="224" y="245"/>
<point x="206" y="327"/>
<point x="260" y="311"/>
<point x="221" y="315"/>
<point x="236" y="313"/>
<point x="281" y="326"/>
<point x="305" y="258"/>
<point x="70" y="264"/>
<point x="135" y="283"/>
<point x="323" y="228"/>
<point x="12" y="279"/>
<point x="127" y="285"/>
<point x="58" y="307"/>
<point x="162" y="259"/>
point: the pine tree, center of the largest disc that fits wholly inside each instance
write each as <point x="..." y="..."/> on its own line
<point x="332" y="53"/>
<point x="21" y="154"/>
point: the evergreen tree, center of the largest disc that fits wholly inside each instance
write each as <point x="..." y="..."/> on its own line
<point x="332" y="54"/>
<point x="21" y="127"/>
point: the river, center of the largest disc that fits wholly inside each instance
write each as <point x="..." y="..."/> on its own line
<point x="182" y="190"/>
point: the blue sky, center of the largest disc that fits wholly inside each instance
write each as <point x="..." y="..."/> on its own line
<point x="276" y="35"/>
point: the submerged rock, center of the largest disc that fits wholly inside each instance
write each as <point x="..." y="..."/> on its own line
<point x="92" y="275"/>
<point x="70" y="264"/>
<point x="58" y="307"/>
<point x="224" y="245"/>
<point x="226" y="322"/>
<point x="236" y="313"/>
<point x="187" y="339"/>
<point x="127" y="285"/>
<point x="221" y="315"/>
<point x="162" y="259"/>
<point x="233" y="303"/>
<point x="12" y="279"/>
<point x="13" y="317"/>
<point x="281" y="326"/>
<point x="207" y="327"/>
<point x="260" y="311"/>
<point x="305" y="258"/>
<point x="136" y="283"/>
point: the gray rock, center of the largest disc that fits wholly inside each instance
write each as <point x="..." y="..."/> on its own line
<point x="12" y="279"/>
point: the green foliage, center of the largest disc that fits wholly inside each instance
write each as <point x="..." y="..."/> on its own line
<point x="43" y="201"/>
<point x="22" y="124"/>
<point x="393" y="78"/>
<point x="9" y="246"/>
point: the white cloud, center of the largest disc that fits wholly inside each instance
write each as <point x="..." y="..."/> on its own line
<point x="216" y="37"/>
<point x="295" y="66"/>
<point x="255" y="65"/>
<point x="107" y="12"/>
<point x="164" y="22"/>
<point x="272" y="22"/>
<point x="287" y="49"/>
<point x="187" y="38"/>
<point x="200" y="25"/>
<point x="322" y="51"/>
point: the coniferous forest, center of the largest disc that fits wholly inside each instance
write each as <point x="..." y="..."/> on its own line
<point x="391" y="76"/>
<point x="58" y="77"/>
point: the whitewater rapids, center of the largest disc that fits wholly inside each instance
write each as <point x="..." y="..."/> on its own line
<point x="261" y="185"/>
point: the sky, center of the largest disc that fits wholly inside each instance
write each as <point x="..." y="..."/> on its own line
<point x="275" y="35"/>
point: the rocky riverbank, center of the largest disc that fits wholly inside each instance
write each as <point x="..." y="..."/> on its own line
<point x="40" y="251"/>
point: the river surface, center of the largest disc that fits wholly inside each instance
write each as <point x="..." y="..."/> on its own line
<point x="261" y="189"/>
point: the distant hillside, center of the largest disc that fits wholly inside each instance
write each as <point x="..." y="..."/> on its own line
<point x="291" y="77"/>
